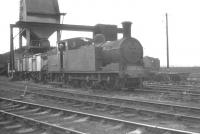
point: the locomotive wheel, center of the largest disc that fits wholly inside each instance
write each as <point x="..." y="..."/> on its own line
<point x="90" y="84"/>
<point x="71" y="83"/>
<point x="108" y="85"/>
<point x="68" y="84"/>
<point x="76" y="83"/>
<point x="119" y="84"/>
<point x="97" y="85"/>
<point x="83" y="84"/>
<point x="86" y="84"/>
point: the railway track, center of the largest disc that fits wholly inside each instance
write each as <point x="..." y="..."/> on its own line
<point x="74" y="122"/>
<point x="11" y="123"/>
<point x="171" y="94"/>
<point x="172" y="91"/>
<point x="153" y="94"/>
<point x="156" y="112"/>
<point x="174" y="88"/>
<point x="153" y="91"/>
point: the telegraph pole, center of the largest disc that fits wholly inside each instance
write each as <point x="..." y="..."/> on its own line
<point x="12" y="61"/>
<point x="167" y="41"/>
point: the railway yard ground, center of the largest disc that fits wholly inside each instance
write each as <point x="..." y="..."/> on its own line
<point x="27" y="107"/>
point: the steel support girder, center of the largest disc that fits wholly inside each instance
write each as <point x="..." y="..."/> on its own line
<point x="68" y="27"/>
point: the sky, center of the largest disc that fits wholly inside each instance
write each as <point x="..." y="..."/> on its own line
<point x="148" y="24"/>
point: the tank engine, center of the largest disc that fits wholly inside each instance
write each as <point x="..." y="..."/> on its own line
<point x="99" y="63"/>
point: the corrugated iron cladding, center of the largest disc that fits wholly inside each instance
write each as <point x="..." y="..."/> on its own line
<point x="34" y="62"/>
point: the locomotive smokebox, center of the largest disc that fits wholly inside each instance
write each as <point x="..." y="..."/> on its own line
<point x="127" y="50"/>
<point x="126" y="29"/>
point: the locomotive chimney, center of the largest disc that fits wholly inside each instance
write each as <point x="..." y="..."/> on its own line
<point x="126" y="29"/>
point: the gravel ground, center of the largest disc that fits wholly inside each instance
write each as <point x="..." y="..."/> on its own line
<point x="51" y="102"/>
<point x="173" y="99"/>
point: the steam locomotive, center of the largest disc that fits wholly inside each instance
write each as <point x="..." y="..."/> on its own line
<point x="88" y="63"/>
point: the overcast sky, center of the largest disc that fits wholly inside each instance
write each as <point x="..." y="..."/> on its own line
<point x="147" y="16"/>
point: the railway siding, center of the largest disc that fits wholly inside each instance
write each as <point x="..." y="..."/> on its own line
<point x="152" y="128"/>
